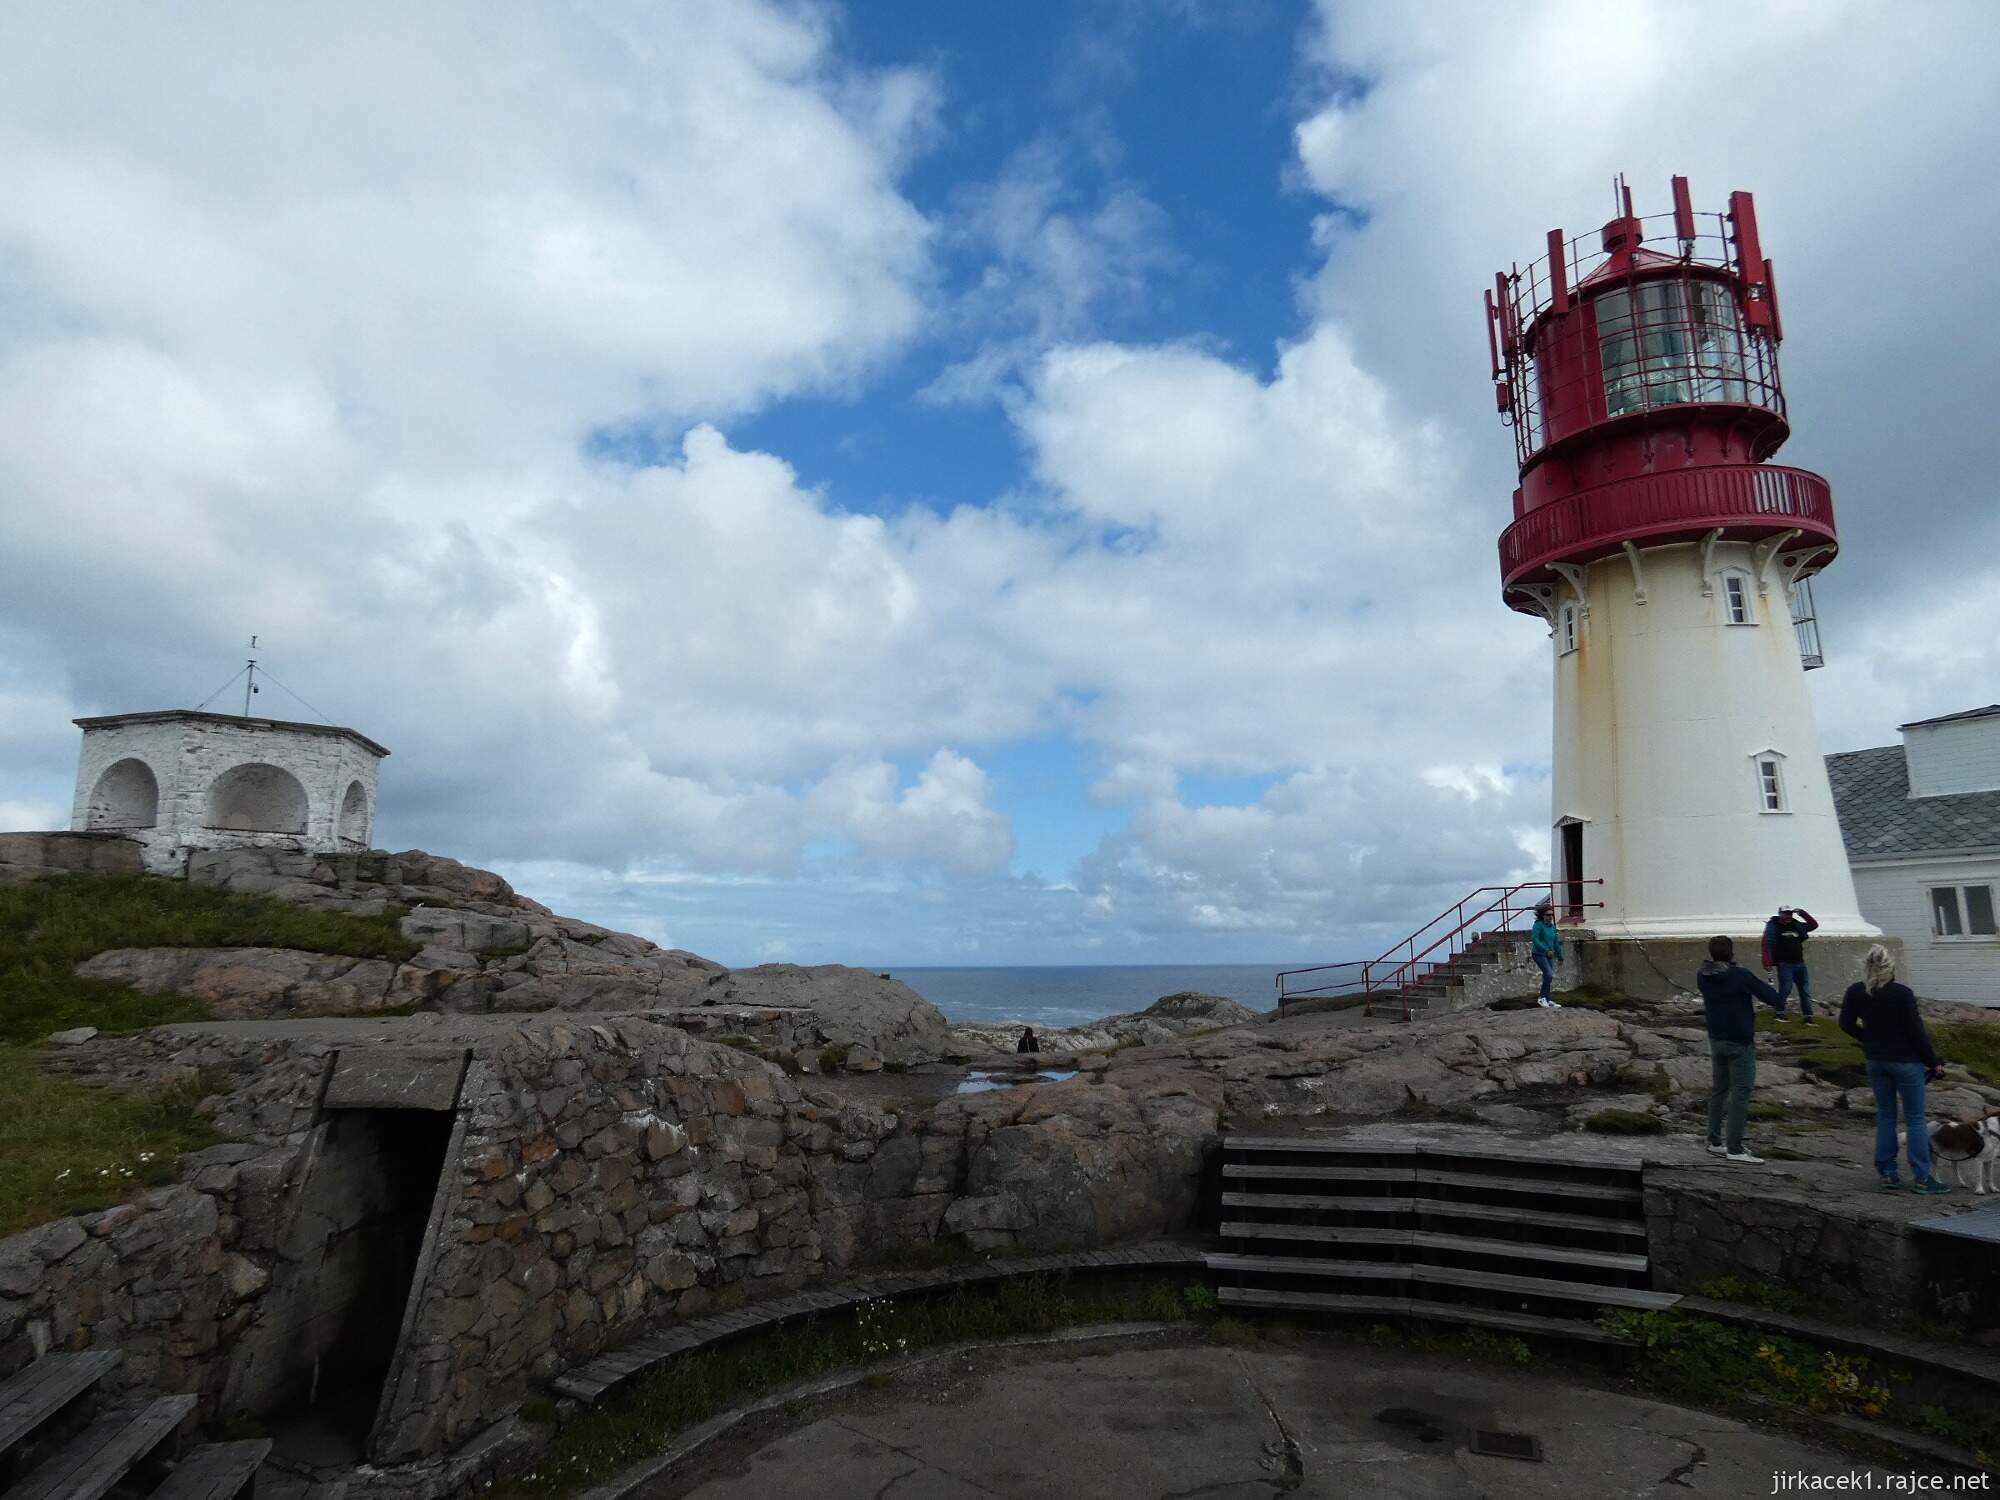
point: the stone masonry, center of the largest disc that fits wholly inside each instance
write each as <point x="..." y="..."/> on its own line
<point x="180" y="780"/>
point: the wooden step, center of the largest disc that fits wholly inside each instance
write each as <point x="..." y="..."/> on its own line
<point x="1458" y="1276"/>
<point x="1426" y="1239"/>
<point x="1549" y="1187"/>
<point x="1437" y="1208"/>
<point x="1360" y="1304"/>
<point x="36" y="1392"/>
<point x="87" y="1467"/>
<point x="216" y="1471"/>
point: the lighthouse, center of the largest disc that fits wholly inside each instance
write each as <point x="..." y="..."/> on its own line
<point x="1671" y="561"/>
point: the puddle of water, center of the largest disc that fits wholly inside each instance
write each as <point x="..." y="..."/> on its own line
<point x="979" y="1081"/>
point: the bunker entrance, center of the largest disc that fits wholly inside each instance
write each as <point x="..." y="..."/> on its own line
<point x="353" y="1254"/>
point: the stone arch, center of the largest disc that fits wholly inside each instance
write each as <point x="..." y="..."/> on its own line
<point x="353" y="825"/>
<point x="127" y="795"/>
<point x="257" y="798"/>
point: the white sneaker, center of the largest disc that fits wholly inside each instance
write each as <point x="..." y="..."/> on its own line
<point x="1548" y="1005"/>
<point x="1744" y="1158"/>
<point x="1718" y="1150"/>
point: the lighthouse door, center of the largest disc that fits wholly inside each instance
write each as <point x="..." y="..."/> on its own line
<point x="1572" y="871"/>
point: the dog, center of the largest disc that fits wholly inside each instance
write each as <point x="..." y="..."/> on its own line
<point x="1974" y="1141"/>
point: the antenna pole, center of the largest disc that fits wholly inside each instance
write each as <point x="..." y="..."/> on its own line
<point x="250" y="679"/>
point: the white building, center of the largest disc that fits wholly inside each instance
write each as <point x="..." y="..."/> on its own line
<point x="180" y="779"/>
<point x="1922" y="825"/>
<point x="1687" y="769"/>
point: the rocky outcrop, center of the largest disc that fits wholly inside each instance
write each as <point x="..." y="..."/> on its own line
<point x="484" y="948"/>
<point x="1166" y="1019"/>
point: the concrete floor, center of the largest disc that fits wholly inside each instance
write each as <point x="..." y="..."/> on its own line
<point x="1175" y="1420"/>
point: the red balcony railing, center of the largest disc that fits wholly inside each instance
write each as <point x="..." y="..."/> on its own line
<point x="1653" y="508"/>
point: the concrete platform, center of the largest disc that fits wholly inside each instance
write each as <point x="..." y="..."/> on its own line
<point x="1167" y="1420"/>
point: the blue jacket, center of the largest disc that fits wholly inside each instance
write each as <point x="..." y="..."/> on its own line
<point x="1543" y="938"/>
<point x="1727" y="991"/>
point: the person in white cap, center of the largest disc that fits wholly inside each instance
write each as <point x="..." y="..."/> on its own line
<point x="1785" y="950"/>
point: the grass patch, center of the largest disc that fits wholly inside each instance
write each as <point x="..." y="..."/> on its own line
<point x="1766" y="1110"/>
<point x="685" y="1391"/>
<point x="1972" y="1044"/>
<point x="833" y="1055"/>
<point x="1717" y="1365"/>
<point x="48" y="927"/>
<point x="71" y="1148"/>
<point x="1764" y="1294"/>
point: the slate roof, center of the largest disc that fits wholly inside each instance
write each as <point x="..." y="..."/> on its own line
<point x="1879" y="819"/>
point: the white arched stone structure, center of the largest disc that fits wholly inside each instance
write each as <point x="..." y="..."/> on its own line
<point x="257" y="798"/>
<point x="181" y="780"/>
<point x="126" y="797"/>
<point x="356" y="816"/>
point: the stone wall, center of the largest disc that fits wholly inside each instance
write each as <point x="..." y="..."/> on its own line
<point x="1659" y="968"/>
<point x="27" y="856"/>
<point x="1866" y="1268"/>
<point x="607" y="1175"/>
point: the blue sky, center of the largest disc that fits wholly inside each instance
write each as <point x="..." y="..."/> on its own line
<point x="915" y="483"/>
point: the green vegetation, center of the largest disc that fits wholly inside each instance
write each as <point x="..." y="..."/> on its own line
<point x="1764" y="1294"/>
<point x="48" y="927"/>
<point x="833" y="1055"/>
<point x="685" y="1391"/>
<point x="1625" y="1122"/>
<point x="1717" y="1365"/>
<point x="1766" y="1110"/>
<point x="70" y="1148"/>
<point x="67" y="1147"/>
<point x="1975" y="1045"/>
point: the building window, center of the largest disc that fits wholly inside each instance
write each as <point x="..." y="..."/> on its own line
<point x="1771" y="782"/>
<point x="1962" y="911"/>
<point x="1736" y="606"/>
<point x="1566" y="630"/>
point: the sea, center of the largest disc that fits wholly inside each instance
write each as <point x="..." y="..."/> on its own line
<point x="1069" y="996"/>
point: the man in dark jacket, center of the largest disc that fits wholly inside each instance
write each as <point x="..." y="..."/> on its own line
<point x="1785" y="950"/>
<point x="1727" y="995"/>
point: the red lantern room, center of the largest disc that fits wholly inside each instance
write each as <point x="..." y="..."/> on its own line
<point x="1640" y="375"/>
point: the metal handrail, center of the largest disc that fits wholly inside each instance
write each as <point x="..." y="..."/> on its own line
<point x="1404" y="964"/>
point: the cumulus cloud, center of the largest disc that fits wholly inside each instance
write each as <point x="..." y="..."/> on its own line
<point x="273" y="360"/>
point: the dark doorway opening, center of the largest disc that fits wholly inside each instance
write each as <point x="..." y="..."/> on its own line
<point x="354" y="1252"/>
<point x="1572" y="872"/>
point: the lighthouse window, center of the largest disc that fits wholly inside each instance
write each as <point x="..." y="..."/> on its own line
<point x="1566" y="630"/>
<point x="1664" y="343"/>
<point x="1736" y="599"/>
<point x="1771" y="783"/>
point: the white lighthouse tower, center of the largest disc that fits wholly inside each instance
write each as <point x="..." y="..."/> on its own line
<point x="1669" y="559"/>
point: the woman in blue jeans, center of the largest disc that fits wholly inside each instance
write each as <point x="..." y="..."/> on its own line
<point x="1882" y="1015"/>
<point x="1545" y="945"/>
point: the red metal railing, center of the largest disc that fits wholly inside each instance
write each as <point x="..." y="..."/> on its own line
<point x="1410" y="961"/>
<point x="1770" y="497"/>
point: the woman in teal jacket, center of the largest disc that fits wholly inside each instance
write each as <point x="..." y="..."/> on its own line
<point x="1546" y="945"/>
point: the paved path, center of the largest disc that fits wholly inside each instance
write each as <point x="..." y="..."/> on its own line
<point x="1184" y="1421"/>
